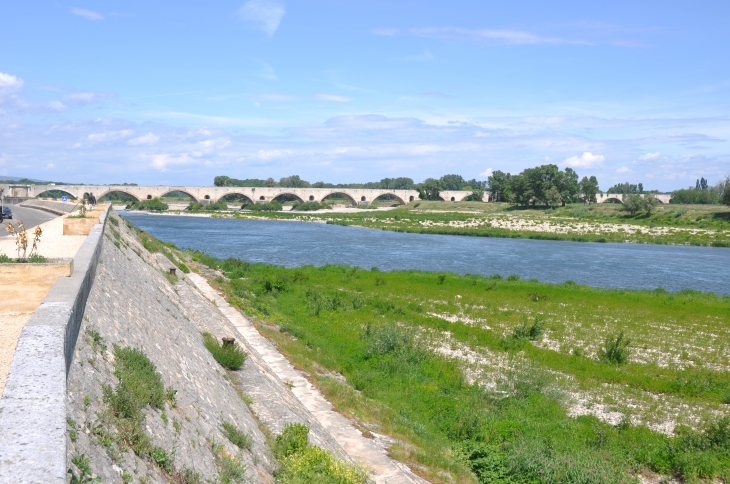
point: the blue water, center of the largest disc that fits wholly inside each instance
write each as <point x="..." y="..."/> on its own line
<point x="291" y="244"/>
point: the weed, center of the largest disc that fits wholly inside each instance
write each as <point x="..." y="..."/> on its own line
<point x="615" y="350"/>
<point x="189" y="476"/>
<point x="294" y="438"/>
<point x="184" y="268"/>
<point x="441" y="278"/>
<point x="160" y="457"/>
<point x="164" y="417"/>
<point x="127" y="477"/>
<point x="228" y="355"/>
<point x="238" y="438"/>
<point x="97" y="342"/>
<point x="532" y="332"/>
<point x="380" y="281"/>
<point x="114" y="221"/>
<point x="85" y="476"/>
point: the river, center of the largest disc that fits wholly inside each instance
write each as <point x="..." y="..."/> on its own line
<point x="291" y="244"/>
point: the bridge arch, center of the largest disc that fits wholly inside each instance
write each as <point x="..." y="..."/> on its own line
<point x="246" y="198"/>
<point x="177" y="191"/>
<point x="388" y="194"/>
<point x="110" y="192"/>
<point x="336" y="192"/>
<point x="612" y="200"/>
<point x="285" y="194"/>
<point x="56" y="193"/>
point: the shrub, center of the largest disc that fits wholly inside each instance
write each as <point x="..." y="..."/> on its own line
<point x="154" y="205"/>
<point x="294" y="438"/>
<point x="229" y="356"/>
<point x="615" y="349"/>
<point x="531" y="332"/>
<point x="183" y="268"/>
<point x="238" y="438"/>
<point x="311" y="206"/>
<point x="272" y="206"/>
<point x="386" y="338"/>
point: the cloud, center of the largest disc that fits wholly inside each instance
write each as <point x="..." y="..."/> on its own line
<point x="271" y="96"/>
<point x="83" y="98"/>
<point x="424" y="56"/>
<point x="486" y="173"/>
<point x="649" y="156"/>
<point x="623" y="169"/>
<point x="147" y="139"/>
<point x="587" y="159"/>
<point x="385" y="31"/>
<point x="266" y="71"/>
<point x="87" y="14"/>
<point x="264" y="15"/>
<point x="519" y="37"/>
<point x="333" y="97"/>
<point x="50" y="165"/>
<point x="10" y="84"/>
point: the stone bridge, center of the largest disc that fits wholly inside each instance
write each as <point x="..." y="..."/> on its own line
<point x="617" y="197"/>
<point x="356" y="196"/>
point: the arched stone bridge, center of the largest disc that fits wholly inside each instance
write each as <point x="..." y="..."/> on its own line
<point x="617" y="197"/>
<point x="357" y="196"/>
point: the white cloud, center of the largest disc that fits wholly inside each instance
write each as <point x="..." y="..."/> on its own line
<point x="9" y="84"/>
<point x="265" y="15"/>
<point x="266" y="71"/>
<point x="50" y="165"/>
<point x="87" y="14"/>
<point x="490" y="35"/>
<point x="623" y="169"/>
<point x="147" y="139"/>
<point x="333" y="97"/>
<point x="587" y="159"/>
<point x="649" y="156"/>
<point x="486" y="173"/>
<point x="271" y="96"/>
<point x="385" y="31"/>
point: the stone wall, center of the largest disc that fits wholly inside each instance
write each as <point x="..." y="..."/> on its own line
<point x="133" y="303"/>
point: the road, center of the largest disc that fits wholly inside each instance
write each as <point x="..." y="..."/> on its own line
<point x="30" y="217"/>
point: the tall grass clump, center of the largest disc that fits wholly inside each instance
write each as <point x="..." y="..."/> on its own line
<point x="237" y="437"/>
<point x="228" y="355"/>
<point x="615" y="349"/>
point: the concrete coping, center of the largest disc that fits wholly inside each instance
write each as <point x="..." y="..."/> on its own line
<point x="33" y="405"/>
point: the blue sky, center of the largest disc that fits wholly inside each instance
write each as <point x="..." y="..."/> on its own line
<point x="179" y="92"/>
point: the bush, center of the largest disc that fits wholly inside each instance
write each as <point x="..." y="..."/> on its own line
<point x="615" y="350"/>
<point x="310" y="206"/>
<point x="154" y="205"/>
<point x="183" y="268"/>
<point x="272" y="206"/>
<point x="294" y="438"/>
<point x="229" y="356"/>
<point x="531" y="332"/>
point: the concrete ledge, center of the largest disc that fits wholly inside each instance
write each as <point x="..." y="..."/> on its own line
<point x="56" y="208"/>
<point x="33" y="406"/>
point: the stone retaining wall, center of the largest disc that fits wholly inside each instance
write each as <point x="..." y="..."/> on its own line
<point x="33" y="406"/>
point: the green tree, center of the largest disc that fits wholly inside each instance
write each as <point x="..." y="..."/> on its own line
<point x="633" y="203"/>
<point x="453" y="182"/>
<point x="498" y="184"/>
<point x="519" y="190"/>
<point x="568" y="186"/>
<point x="293" y="182"/>
<point x="589" y="188"/>
<point x="553" y="198"/>
<point x="725" y="189"/>
<point x="430" y="189"/>
<point x="650" y="202"/>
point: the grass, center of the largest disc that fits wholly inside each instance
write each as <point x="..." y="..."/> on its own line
<point x="229" y="356"/>
<point x="391" y="340"/>
<point x="237" y="437"/>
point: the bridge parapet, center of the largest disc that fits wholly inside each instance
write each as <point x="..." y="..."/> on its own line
<point x="604" y="197"/>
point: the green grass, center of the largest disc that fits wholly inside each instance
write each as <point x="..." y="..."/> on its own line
<point x="380" y="329"/>
<point x="237" y="437"/>
<point x="229" y="356"/>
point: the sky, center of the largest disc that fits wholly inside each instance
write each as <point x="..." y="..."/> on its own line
<point x="176" y="93"/>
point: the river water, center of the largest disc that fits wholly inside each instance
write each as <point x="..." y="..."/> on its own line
<point x="610" y="265"/>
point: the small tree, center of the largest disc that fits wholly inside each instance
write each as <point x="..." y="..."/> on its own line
<point x="650" y="202"/>
<point x="589" y="188"/>
<point x="632" y="203"/>
<point x="726" y="192"/>
<point x="615" y="350"/>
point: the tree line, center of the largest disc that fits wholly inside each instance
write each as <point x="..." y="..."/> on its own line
<point x="543" y="185"/>
<point x="446" y="182"/>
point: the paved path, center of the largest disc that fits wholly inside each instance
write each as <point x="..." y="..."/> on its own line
<point x="365" y="451"/>
<point x="29" y="216"/>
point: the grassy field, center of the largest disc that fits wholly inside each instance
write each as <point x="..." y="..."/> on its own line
<point x="707" y="225"/>
<point x="503" y="380"/>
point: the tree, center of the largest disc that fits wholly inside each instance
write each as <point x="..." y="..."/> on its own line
<point x="641" y="188"/>
<point x="430" y="189"/>
<point x="293" y="182"/>
<point x="552" y="197"/>
<point x="633" y="202"/>
<point x="650" y="202"/>
<point x="498" y="184"/>
<point x="519" y="190"/>
<point x="453" y="182"/>
<point x="589" y="188"/>
<point x="624" y="188"/>
<point x="477" y="195"/>
<point x="568" y="186"/>
<point x="726" y="191"/>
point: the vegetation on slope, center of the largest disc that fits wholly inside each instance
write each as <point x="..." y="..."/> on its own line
<point x="400" y="339"/>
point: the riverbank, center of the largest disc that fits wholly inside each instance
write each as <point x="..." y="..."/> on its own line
<point x="669" y="224"/>
<point x="507" y="379"/>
